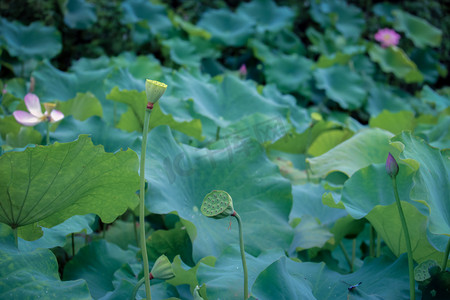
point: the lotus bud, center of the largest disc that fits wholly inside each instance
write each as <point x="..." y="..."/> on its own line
<point x="391" y="166"/>
<point x="217" y="205"/>
<point x="162" y="269"/>
<point x="154" y="90"/>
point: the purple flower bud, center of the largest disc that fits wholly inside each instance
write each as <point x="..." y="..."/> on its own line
<point x="391" y="166"/>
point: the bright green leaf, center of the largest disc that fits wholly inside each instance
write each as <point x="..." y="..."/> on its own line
<point x="418" y="30"/>
<point x="81" y="107"/>
<point x="394" y="122"/>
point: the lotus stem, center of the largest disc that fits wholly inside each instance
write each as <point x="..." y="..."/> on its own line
<point x="142" y="206"/>
<point x="136" y="288"/>
<point x="372" y="241"/>
<point x="408" y="241"/>
<point x="47" y="140"/>
<point x="241" y="245"/>
<point x="347" y="258"/>
<point x="447" y="252"/>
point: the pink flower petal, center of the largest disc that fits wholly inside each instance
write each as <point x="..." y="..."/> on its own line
<point x="25" y="118"/>
<point x="33" y="105"/>
<point x="56" y="116"/>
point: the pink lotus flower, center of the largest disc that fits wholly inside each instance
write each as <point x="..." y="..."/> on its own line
<point x="35" y="115"/>
<point x="243" y="70"/>
<point x="387" y="37"/>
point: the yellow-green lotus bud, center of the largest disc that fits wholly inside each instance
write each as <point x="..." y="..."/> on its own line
<point x="154" y="90"/>
<point x="162" y="269"/>
<point x="217" y="205"/>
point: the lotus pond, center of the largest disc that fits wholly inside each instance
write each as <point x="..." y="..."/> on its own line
<point x="224" y="150"/>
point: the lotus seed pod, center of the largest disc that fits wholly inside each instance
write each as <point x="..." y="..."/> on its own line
<point x="217" y="205"/>
<point x="162" y="269"/>
<point x="154" y="90"/>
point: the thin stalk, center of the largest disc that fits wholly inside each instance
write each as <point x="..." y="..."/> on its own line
<point x="378" y="245"/>
<point x="241" y="245"/>
<point x="73" y="244"/>
<point x="135" y="229"/>
<point x="347" y="258"/>
<point x="142" y="205"/>
<point x="218" y="133"/>
<point x="447" y="252"/>
<point x="372" y="241"/>
<point x="16" y="238"/>
<point x="115" y="113"/>
<point x="353" y="252"/>
<point x="136" y="288"/>
<point x="412" y="289"/>
<point x="48" y="134"/>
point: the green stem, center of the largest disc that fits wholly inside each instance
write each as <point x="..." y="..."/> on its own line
<point x="73" y="244"/>
<point x="142" y="205"/>
<point x="412" y="289"/>
<point x="372" y="241"/>
<point x="218" y="133"/>
<point x="48" y="134"/>
<point x="115" y="113"/>
<point x="136" y="288"/>
<point x="447" y="252"/>
<point x="16" y="238"/>
<point x="353" y="253"/>
<point x="135" y="229"/>
<point x="241" y="244"/>
<point x="347" y="258"/>
<point x="378" y="245"/>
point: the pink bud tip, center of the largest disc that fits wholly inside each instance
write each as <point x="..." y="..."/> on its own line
<point x="391" y="166"/>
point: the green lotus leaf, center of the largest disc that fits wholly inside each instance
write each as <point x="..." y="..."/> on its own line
<point x="52" y="183"/>
<point x="328" y="140"/>
<point x="382" y="97"/>
<point x="267" y="15"/>
<point x="180" y="176"/>
<point x="34" y="275"/>
<point x="431" y="181"/>
<point x="83" y="106"/>
<point x="226" y="27"/>
<point x="436" y="134"/>
<point x="185" y="274"/>
<point x="342" y="86"/>
<point x="189" y="53"/>
<point x="309" y="233"/>
<point x="112" y="139"/>
<point x="364" y="148"/>
<point x="56" y="236"/>
<point x="79" y="14"/>
<point x="153" y="14"/>
<point x="394" y="60"/>
<point x="417" y="29"/>
<point x="133" y="119"/>
<point x="226" y="279"/>
<point x="394" y="122"/>
<point x="25" y="136"/>
<point x="34" y="41"/>
<point x="427" y="60"/>
<point x="381" y="278"/>
<point x="190" y="28"/>
<point x="141" y="67"/>
<point x="122" y="79"/>
<point x="384" y="10"/>
<point x="96" y="263"/>
<point x="439" y="101"/>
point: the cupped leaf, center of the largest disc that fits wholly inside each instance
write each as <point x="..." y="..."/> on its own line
<point x="52" y="183"/>
<point x="180" y="176"/>
<point x="431" y="181"/>
<point x="34" y="41"/>
<point x="266" y="14"/>
<point x="342" y="86"/>
<point x="364" y="148"/>
<point x="226" y="27"/>
<point x="34" y="275"/>
<point x="79" y="14"/>
<point x="226" y="278"/>
<point x="96" y="263"/>
<point x="418" y="30"/>
<point x="394" y="60"/>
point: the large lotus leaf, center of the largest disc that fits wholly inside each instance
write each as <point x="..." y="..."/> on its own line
<point x="155" y="15"/>
<point x="394" y="122"/>
<point x="340" y="57"/>
<point x="141" y="67"/>
<point x="56" y="236"/>
<point x="227" y="27"/>
<point x="122" y="79"/>
<point x="226" y="278"/>
<point x="267" y="15"/>
<point x="441" y="102"/>
<point x="180" y="176"/>
<point x="431" y="183"/>
<point x="384" y="10"/>
<point x="364" y="148"/>
<point x="112" y="139"/>
<point x="25" y="136"/>
<point x="79" y="14"/>
<point x="289" y="72"/>
<point x="437" y="135"/>
<point x="308" y="202"/>
<point x="34" y="41"/>
<point x="328" y="140"/>
<point x="183" y="52"/>
<point x="309" y="233"/>
<point x="394" y="60"/>
<point x="53" y="84"/>
<point x="83" y="106"/>
<point x="381" y="97"/>
<point x="418" y="30"/>
<point x="427" y="60"/>
<point x="133" y="119"/>
<point x="342" y="85"/>
<point x="34" y="275"/>
<point x="52" y="183"/>
<point x="96" y="263"/>
<point x="386" y="221"/>
<point x="190" y="28"/>
<point x="186" y="275"/>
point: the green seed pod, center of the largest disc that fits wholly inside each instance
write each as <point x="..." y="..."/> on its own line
<point x="217" y="205"/>
<point x="154" y="90"/>
<point x="162" y="269"/>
